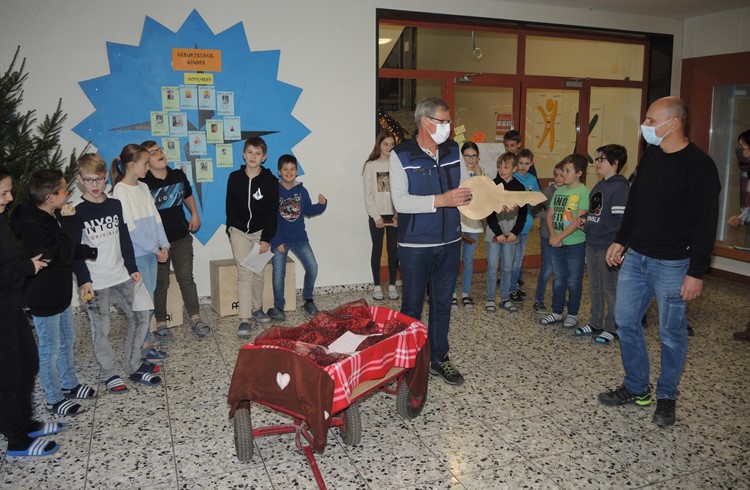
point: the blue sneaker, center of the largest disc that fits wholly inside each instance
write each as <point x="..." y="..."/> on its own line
<point x="261" y="317"/>
<point x="276" y="314"/>
<point x="243" y="331"/>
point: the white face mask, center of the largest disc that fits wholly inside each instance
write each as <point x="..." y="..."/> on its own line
<point x="649" y="133"/>
<point x="442" y="131"/>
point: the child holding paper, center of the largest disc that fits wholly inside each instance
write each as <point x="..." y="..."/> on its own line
<point x="252" y="204"/>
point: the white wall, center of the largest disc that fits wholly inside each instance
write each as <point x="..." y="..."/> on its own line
<point x="327" y="49"/>
<point x="721" y="33"/>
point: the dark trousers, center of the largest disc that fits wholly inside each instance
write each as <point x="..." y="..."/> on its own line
<point x="181" y="258"/>
<point x="377" y="250"/>
<point x="19" y="364"/>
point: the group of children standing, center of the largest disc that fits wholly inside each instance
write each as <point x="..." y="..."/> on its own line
<point x="577" y="227"/>
<point x="120" y="249"/>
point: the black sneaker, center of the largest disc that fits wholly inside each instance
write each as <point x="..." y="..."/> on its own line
<point x="540" y="306"/>
<point x="521" y="291"/>
<point x="516" y="296"/>
<point x="623" y="396"/>
<point x="664" y="414"/>
<point x="447" y="371"/>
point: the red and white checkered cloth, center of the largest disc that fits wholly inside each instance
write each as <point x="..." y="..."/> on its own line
<point x="399" y="350"/>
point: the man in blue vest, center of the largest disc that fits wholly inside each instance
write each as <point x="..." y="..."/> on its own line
<point x="424" y="177"/>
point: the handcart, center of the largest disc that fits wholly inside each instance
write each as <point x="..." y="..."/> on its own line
<point x="318" y="397"/>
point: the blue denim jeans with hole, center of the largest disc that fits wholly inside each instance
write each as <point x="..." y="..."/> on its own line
<point x="642" y="278"/>
<point x="304" y="254"/>
<point x="57" y="337"/>
<point x="436" y="269"/>
<point x="567" y="265"/>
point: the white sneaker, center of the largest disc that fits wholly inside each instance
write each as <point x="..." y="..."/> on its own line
<point x="377" y="293"/>
<point x="392" y="293"/>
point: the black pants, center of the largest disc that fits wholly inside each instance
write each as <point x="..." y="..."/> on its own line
<point x="19" y="365"/>
<point x="377" y="249"/>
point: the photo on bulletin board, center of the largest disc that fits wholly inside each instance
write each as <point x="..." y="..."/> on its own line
<point x="225" y="103"/>
<point x="178" y="124"/>
<point x="215" y="131"/>
<point x="197" y="143"/>
<point x="224" y="156"/>
<point x="232" y="131"/>
<point x="171" y="149"/>
<point x="170" y="99"/>
<point x="188" y="97"/>
<point x="159" y="125"/>
<point x="204" y="170"/>
<point x="207" y="99"/>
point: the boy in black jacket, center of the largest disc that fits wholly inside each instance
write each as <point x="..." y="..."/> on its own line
<point x="252" y="206"/>
<point x="47" y="226"/>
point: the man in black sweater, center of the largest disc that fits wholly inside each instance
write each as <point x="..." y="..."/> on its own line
<point x="669" y="228"/>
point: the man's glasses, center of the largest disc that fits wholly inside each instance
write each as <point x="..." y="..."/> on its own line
<point x="600" y="159"/>
<point x="155" y="151"/>
<point x="90" y="181"/>
<point x="439" y="121"/>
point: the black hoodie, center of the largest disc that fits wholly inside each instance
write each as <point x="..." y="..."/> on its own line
<point x="51" y="290"/>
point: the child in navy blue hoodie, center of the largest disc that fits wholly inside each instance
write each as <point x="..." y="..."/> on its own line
<point x="294" y="205"/>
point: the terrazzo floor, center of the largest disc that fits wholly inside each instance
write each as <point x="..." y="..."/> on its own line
<point x="527" y="416"/>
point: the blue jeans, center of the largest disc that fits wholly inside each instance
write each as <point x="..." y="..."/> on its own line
<point x="545" y="271"/>
<point x="57" y="336"/>
<point x="506" y="252"/>
<point x="567" y="265"/>
<point x="435" y="268"/>
<point x="642" y="278"/>
<point x="467" y="259"/>
<point x="147" y="266"/>
<point x="521" y="242"/>
<point x="305" y="256"/>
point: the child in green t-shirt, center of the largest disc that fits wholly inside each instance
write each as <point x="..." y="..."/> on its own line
<point x="568" y="242"/>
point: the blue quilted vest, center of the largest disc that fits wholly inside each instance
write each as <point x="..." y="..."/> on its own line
<point x="426" y="178"/>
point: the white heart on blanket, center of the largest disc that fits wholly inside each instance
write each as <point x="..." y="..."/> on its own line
<point x="283" y="379"/>
<point x="326" y="414"/>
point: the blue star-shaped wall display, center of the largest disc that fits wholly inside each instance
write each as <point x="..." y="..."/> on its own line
<point x="125" y="98"/>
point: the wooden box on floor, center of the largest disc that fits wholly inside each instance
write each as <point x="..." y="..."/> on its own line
<point x="224" y="287"/>
<point x="174" y="304"/>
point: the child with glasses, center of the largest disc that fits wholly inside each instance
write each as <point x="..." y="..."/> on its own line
<point x="470" y="228"/>
<point x="606" y="208"/>
<point x="47" y="225"/>
<point x="111" y="276"/>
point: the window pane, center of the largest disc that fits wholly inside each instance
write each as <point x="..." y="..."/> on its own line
<point x="580" y="58"/>
<point x="424" y="48"/>
<point x="730" y="117"/>
<point x="454" y="50"/>
<point x="398" y="98"/>
<point x="478" y="109"/>
<point x="614" y="118"/>
<point x="551" y="127"/>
